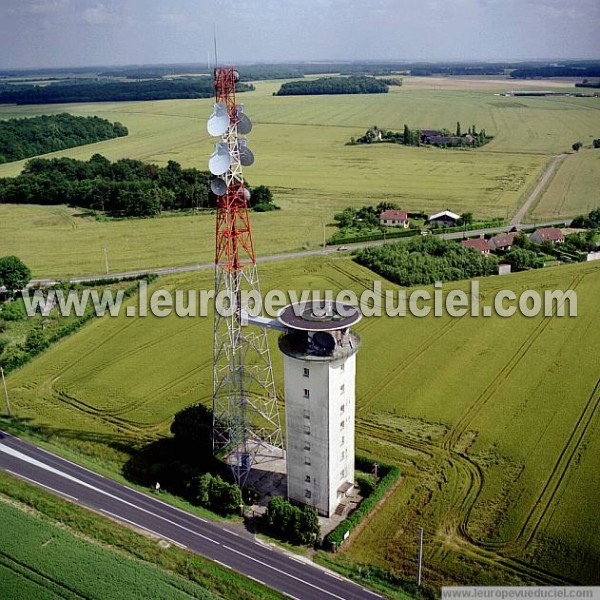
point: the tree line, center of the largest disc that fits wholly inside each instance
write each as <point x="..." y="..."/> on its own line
<point x="442" y="138"/>
<point x="126" y="187"/>
<point x="334" y="85"/>
<point x="112" y="91"/>
<point x="426" y="260"/>
<point x="584" y="70"/>
<point x="23" y="138"/>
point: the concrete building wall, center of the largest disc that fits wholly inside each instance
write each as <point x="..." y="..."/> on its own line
<point x="319" y="417"/>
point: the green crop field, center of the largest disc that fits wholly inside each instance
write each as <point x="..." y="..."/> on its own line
<point x="56" y="549"/>
<point x="575" y="187"/>
<point x="493" y="421"/>
<point x="40" y="559"/>
<point x="299" y="143"/>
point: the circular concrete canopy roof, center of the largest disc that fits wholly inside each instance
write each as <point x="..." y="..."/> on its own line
<point x="319" y="316"/>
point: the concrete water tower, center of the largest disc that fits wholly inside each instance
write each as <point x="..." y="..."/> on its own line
<point x="319" y="364"/>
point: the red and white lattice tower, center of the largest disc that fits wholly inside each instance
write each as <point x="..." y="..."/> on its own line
<point x="246" y="422"/>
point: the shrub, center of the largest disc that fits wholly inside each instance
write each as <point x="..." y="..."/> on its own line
<point x="215" y="493"/>
<point x="13" y="311"/>
<point x="291" y="523"/>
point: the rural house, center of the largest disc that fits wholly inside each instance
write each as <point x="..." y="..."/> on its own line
<point x="479" y="244"/>
<point x="547" y="234"/>
<point x="394" y="218"/>
<point x="446" y="218"/>
<point x="502" y="241"/>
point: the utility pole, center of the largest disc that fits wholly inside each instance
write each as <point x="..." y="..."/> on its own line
<point x="5" y="392"/>
<point x="324" y="236"/>
<point x="105" y="258"/>
<point x="420" y="565"/>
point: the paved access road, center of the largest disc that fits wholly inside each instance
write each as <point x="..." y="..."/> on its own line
<point x="294" y="576"/>
<point x="455" y="235"/>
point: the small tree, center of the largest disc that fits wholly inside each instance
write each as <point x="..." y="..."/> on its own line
<point x="192" y="428"/>
<point x="522" y="240"/>
<point x="307" y="526"/>
<point x="576" y="146"/>
<point x="14" y="274"/>
<point x="458" y="133"/>
<point x="466" y="218"/>
<point x="407" y="138"/>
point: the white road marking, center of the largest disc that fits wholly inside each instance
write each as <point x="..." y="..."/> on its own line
<point x="69" y="461"/>
<point x="371" y="592"/>
<point x="222" y="564"/>
<point x="264" y="564"/>
<point x="133" y="490"/>
<point x="42" y="485"/>
<point x="21" y="456"/>
<point x="160" y="535"/>
<point x="37" y="463"/>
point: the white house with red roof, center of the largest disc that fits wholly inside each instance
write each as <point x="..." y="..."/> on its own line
<point x="394" y="218"/>
<point x="547" y="234"/>
<point x="479" y="244"/>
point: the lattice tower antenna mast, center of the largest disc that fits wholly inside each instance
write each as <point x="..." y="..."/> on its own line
<point x="246" y="421"/>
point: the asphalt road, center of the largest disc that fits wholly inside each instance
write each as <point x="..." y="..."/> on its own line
<point x="289" y="255"/>
<point x="294" y="576"/>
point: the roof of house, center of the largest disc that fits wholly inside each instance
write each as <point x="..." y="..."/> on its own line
<point x="502" y="240"/>
<point x="428" y="132"/>
<point x="549" y="234"/>
<point x="445" y="213"/>
<point x="442" y="139"/>
<point x="393" y="215"/>
<point x="478" y="243"/>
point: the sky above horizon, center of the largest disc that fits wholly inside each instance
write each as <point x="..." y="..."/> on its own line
<point x="65" y="33"/>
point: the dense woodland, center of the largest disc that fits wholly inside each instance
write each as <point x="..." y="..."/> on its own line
<point x="588" y="84"/>
<point x="584" y="70"/>
<point x="112" y="91"/>
<point x="126" y="187"/>
<point x="334" y="85"/>
<point x="24" y="138"/>
<point x="422" y="261"/>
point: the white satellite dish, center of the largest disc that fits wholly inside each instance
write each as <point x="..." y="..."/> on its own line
<point x="247" y="194"/>
<point x="218" y="122"/>
<point x="220" y="159"/>
<point x="246" y="157"/>
<point x="244" y="124"/>
<point x="218" y="186"/>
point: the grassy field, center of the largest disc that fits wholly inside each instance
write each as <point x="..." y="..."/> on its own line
<point x="54" y="549"/>
<point x="574" y="188"/>
<point x="500" y="470"/>
<point x="299" y="143"/>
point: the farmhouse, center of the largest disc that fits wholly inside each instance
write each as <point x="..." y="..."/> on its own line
<point x="547" y="234"/>
<point x="479" y="244"/>
<point x="444" y="218"/>
<point x="394" y="218"/>
<point x="502" y="241"/>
